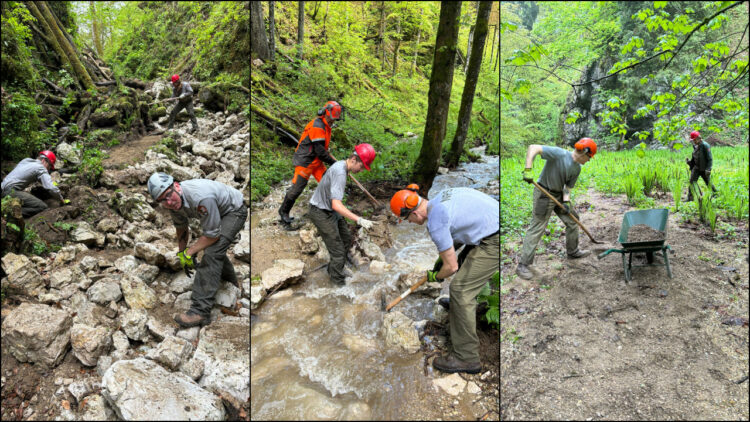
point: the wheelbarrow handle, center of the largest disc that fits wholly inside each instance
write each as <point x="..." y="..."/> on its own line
<point x="609" y="251"/>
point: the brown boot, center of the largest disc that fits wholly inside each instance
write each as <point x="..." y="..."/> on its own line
<point x="190" y="319"/>
<point x="451" y="363"/>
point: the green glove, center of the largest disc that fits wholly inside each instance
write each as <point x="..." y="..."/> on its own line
<point x="527" y="176"/>
<point x="438" y="264"/>
<point x="432" y="277"/>
<point x="186" y="260"/>
<point x="66" y="201"/>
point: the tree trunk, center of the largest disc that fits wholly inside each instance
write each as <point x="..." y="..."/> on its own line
<point x="95" y="29"/>
<point x="468" y="48"/>
<point x="315" y="10"/>
<point x="494" y="36"/>
<point x="80" y="71"/>
<point x="416" y="50"/>
<point x="438" y="97"/>
<point x="467" y="98"/>
<point x="300" y="29"/>
<point x="325" y="34"/>
<point x="258" y="39"/>
<point x="381" y="35"/>
<point x="398" y="45"/>
<point x="272" y="30"/>
<point x="52" y="39"/>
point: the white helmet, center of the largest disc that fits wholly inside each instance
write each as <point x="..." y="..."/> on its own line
<point x="158" y="183"/>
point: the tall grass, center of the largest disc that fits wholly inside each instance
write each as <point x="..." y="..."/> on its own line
<point x="633" y="187"/>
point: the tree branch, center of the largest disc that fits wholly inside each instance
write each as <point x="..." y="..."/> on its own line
<point x="624" y="68"/>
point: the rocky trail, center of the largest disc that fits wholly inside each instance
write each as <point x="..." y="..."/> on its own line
<point x="580" y="343"/>
<point x="88" y="330"/>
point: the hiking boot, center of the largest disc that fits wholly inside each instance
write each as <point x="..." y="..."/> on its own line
<point x="191" y="319"/>
<point x="451" y="363"/>
<point x="524" y="272"/>
<point x="580" y="253"/>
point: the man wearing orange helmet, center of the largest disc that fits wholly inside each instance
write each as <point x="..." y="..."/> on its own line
<point x="326" y="209"/>
<point x="311" y="153"/>
<point x="458" y="216"/>
<point x="700" y="164"/>
<point x="559" y="175"/>
<point x="182" y="92"/>
<point x="27" y="172"/>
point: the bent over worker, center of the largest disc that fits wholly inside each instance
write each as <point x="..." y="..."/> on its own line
<point x="327" y="210"/>
<point x="222" y="213"/>
<point x="183" y="93"/>
<point x="311" y="153"/>
<point x="28" y="171"/>
<point x="559" y="175"/>
<point x="458" y="216"/>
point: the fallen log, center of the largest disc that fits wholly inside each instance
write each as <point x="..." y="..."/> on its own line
<point x="274" y="121"/>
<point x="105" y="83"/>
<point x="55" y="87"/>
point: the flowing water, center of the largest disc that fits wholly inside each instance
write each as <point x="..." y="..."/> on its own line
<point x="317" y="351"/>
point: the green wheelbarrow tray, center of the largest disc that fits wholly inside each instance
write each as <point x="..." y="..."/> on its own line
<point x="657" y="220"/>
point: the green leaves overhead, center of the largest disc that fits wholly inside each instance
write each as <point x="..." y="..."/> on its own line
<point x="521" y="57"/>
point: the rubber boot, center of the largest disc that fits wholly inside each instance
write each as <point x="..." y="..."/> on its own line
<point x="286" y="206"/>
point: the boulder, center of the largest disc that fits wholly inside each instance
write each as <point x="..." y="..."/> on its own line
<point x="89" y="343"/>
<point x="227" y="295"/>
<point x="453" y="384"/>
<point x="104" y="291"/>
<point x="242" y="248"/>
<point x="133" y="208"/>
<point x="284" y="271"/>
<point x="85" y="234"/>
<point x="126" y="263"/>
<point x="140" y="389"/>
<point x="133" y="323"/>
<point x="23" y="277"/>
<point x="160" y="329"/>
<point x="308" y="242"/>
<point x="172" y="352"/>
<point x="180" y="283"/>
<point x="224" y="349"/>
<point x="137" y="294"/>
<point x="37" y="333"/>
<point x="399" y="331"/>
<point x="70" y="155"/>
<point x="207" y="150"/>
<point x="257" y="294"/>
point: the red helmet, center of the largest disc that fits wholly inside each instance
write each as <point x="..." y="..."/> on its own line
<point x="585" y="143"/>
<point x="50" y="156"/>
<point x="333" y="110"/>
<point x="404" y="202"/>
<point x="175" y="78"/>
<point x="366" y="153"/>
<point x="694" y="134"/>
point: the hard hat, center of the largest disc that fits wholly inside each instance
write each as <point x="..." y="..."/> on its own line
<point x="366" y="153"/>
<point x="404" y="202"/>
<point x="694" y="134"/>
<point x="332" y="109"/>
<point x="50" y="156"/>
<point x="585" y="143"/>
<point x="413" y="187"/>
<point x="175" y="78"/>
<point x="158" y="183"/>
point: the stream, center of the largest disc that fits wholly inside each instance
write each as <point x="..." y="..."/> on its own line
<point x="317" y="351"/>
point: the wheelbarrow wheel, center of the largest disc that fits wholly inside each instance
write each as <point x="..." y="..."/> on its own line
<point x="650" y="257"/>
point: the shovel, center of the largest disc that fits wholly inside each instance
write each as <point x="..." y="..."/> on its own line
<point x="544" y="191"/>
<point x="395" y="302"/>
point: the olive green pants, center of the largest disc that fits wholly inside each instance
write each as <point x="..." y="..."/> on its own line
<point x="481" y="262"/>
<point x="333" y="229"/>
<point x="543" y="207"/>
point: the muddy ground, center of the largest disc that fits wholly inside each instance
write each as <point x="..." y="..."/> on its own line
<point x="271" y="242"/>
<point x="580" y="343"/>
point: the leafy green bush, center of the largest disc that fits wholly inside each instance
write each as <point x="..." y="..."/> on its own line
<point x="91" y="166"/>
<point x="20" y="124"/>
<point x="491" y="297"/>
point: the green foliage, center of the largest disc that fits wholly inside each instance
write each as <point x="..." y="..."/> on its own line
<point x="20" y="123"/>
<point x="65" y="226"/>
<point x="91" y="166"/>
<point x="490" y="296"/>
<point x="17" y="68"/>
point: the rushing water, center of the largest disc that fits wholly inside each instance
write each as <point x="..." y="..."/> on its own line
<point x="317" y="351"/>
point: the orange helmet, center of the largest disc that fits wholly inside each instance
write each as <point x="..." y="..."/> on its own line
<point x="404" y="202"/>
<point x="332" y="109"/>
<point x="586" y="143"/>
<point x="50" y="156"/>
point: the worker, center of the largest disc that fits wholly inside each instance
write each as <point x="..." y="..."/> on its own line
<point x="558" y="176"/>
<point x="456" y="217"/>
<point x="700" y="164"/>
<point x="222" y="214"/>
<point x="311" y="153"/>
<point x="182" y="92"/>
<point x="327" y="210"/>
<point x="27" y="172"/>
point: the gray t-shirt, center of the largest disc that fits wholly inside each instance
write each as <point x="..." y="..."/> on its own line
<point x="331" y="186"/>
<point x="208" y="200"/>
<point x="185" y="88"/>
<point x="461" y="215"/>
<point x="559" y="170"/>
<point x="28" y="171"/>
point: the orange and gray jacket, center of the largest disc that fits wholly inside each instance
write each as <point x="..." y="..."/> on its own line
<point x="313" y="143"/>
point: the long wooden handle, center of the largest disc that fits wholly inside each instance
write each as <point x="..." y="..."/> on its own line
<point x="360" y="185"/>
<point x="544" y="191"/>
<point x="406" y="293"/>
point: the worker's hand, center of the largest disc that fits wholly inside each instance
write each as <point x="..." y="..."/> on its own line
<point x="366" y="224"/>
<point x="438" y="264"/>
<point x="54" y="183"/>
<point x="432" y="277"/>
<point x="527" y="176"/>
<point x="186" y="260"/>
<point x="66" y="201"/>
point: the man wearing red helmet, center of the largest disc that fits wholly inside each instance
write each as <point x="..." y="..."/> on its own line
<point x="182" y="92"/>
<point x="27" y="172"/>
<point x="326" y="209"/>
<point x="700" y="164"/>
<point x="311" y="153"/>
<point x="559" y="175"/>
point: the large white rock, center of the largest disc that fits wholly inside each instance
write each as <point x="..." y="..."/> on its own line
<point x="137" y="294"/>
<point x="399" y="331"/>
<point x="224" y="348"/>
<point x="209" y="151"/>
<point x="140" y="389"/>
<point x="23" y="276"/>
<point x="133" y="208"/>
<point x="283" y="270"/>
<point x="37" y="333"/>
<point x="85" y="234"/>
<point x="453" y="384"/>
<point x="89" y="343"/>
<point x="172" y="352"/>
<point x="242" y="248"/>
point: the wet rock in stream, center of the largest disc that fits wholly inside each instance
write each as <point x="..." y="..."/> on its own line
<point x="644" y="233"/>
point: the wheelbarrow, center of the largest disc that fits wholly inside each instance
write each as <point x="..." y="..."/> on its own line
<point x="657" y="220"/>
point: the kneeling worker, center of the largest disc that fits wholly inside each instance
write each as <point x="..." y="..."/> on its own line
<point x="222" y="214"/>
<point x="458" y="216"/>
<point x="27" y="172"/>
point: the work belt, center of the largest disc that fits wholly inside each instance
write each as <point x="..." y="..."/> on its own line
<point x="556" y="192"/>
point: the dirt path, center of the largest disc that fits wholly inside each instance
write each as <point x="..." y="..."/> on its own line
<point x="589" y="346"/>
<point x="130" y="152"/>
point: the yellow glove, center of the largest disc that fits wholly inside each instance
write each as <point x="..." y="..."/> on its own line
<point x="66" y="201"/>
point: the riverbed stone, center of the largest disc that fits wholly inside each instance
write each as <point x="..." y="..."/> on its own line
<point x="224" y="348"/>
<point x="284" y="271"/>
<point x="399" y="331"/>
<point x="452" y="384"/>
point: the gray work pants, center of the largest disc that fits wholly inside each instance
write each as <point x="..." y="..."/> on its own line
<point x="543" y="207"/>
<point x="215" y="265"/>
<point x="176" y="109"/>
<point x="333" y="229"/>
<point x="30" y="204"/>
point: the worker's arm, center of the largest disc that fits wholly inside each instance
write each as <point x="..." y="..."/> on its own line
<point x="322" y="153"/>
<point x="532" y="152"/>
<point x="202" y="243"/>
<point x="339" y="207"/>
<point x="450" y="263"/>
<point x="182" y="237"/>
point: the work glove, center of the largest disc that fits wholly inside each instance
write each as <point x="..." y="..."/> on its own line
<point x="432" y="277"/>
<point x="438" y="265"/>
<point x="186" y="261"/>
<point x="366" y="224"/>
<point x="527" y="176"/>
<point x="66" y="201"/>
<point x="566" y="209"/>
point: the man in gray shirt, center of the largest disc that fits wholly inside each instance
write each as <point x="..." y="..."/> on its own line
<point x="27" y="172"/>
<point x="222" y="213"/>
<point x="326" y="209"/>
<point x="559" y="175"/>
<point x="183" y="92"/>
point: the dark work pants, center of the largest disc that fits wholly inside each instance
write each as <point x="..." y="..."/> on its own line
<point x="216" y="265"/>
<point x="293" y="193"/>
<point x="176" y="109"/>
<point x="694" y="175"/>
<point x="30" y="204"/>
<point x="333" y="229"/>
